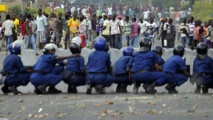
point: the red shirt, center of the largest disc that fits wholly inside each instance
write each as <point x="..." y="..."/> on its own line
<point x="22" y="25"/>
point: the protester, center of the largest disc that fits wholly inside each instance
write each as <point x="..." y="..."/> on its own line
<point x="8" y="27"/>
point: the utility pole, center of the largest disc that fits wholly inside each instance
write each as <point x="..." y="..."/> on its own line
<point x="21" y="2"/>
<point x="36" y="4"/>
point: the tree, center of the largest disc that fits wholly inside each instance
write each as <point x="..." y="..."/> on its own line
<point x="16" y="9"/>
<point x="203" y="10"/>
<point x="166" y="3"/>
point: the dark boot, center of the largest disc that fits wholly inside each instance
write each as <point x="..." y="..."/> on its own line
<point x="124" y="88"/>
<point x="136" y="87"/>
<point x="5" y="89"/>
<point x="205" y="90"/>
<point x="89" y="89"/>
<point x="41" y="89"/>
<point x="145" y="86"/>
<point x="65" y="45"/>
<point x="197" y="90"/>
<point x="100" y="88"/>
<point x="14" y="89"/>
<point x="53" y="90"/>
<point x="118" y="88"/>
<point x="72" y="89"/>
<point x="171" y="89"/>
<point x="151" y="88"/>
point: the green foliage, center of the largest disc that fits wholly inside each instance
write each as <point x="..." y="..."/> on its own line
<point x="203" y="10"/>
<point x="48" y="11"/>
<point x="186" y="6"/>
<point x="166" y="3"/>
<point x="16" y="9"/>
<point x="31" y="11"/>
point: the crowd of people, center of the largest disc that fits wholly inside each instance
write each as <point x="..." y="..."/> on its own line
<point x="102" y="31"/>
<point x="88" y="22"/>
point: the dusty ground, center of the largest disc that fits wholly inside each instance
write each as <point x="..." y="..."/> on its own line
<point x="107" y="107"/>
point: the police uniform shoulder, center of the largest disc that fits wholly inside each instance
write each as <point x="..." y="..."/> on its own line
<point x="210" y="58"/>
<point x="81" y="57"/>
<point x="125" y="57"/>
<point x="138" y="52"/>
<point x="50" y="56"/>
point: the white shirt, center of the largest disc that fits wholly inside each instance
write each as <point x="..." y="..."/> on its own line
<point x="152" y="27"/>
<point x="121" y="24"/>
<point x="41" y="22"/>
<point x="146" y="14"/>
<point x="72" y="9"/>
<point x="115" y="27"/>
<point x="89" y="25"/>
<point x="8" y="25"/>
<point x="33" y="25"/>
<point x="191" y="29"/>
<point x="143" y="26"/>
<point x="110" y="11"/>
<point x="83" y="11"/>
<point x="184" y="26"/>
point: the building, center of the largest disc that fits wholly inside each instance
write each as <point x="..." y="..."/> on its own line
<point x="24" y="3"/>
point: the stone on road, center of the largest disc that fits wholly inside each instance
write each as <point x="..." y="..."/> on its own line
<point x="107" y="107"/>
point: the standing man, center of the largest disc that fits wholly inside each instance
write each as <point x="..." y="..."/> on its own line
<point x="65" y="36"/>
<point x="120" y="31"/>
<point x="105" y="29"/>
<point x="73" y="26"/>
<point x="29" y="36"/>
<point x="16" y="25"/>
<point x="58" y="32"/>
<point x="170" y="36"/>
<point x="135" y="31"/>
<point x="110" y="10"/>
<point x="127" y="29"/>
<point x="8" y="27"/>
<point x="115" y="32"/>
<point x="191" y="31"/>
<point x="33" y="21"/>
<point x="162" y="31"/>
<point x="152" y="28"/>
<point x="41" y="28"/>
<point x="144" y="27"/>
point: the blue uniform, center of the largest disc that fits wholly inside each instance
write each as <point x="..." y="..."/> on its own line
<point x="142" y="69"/>
<point x="121" y="75"/>
<point x="75" y="66"/>
<point x="13" y="66"/>
<point x="160" y="61"/>
<point x="97" y="69"/>
<point x="172" y="67"/>
<point x="46" y="73"/>
<point x="202" y="70"/>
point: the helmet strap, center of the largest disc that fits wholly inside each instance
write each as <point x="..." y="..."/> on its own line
<point x="201" y="56"/>
<point x="144" y="49"/>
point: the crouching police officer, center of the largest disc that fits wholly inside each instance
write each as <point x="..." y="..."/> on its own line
<point x="99" y="67"/>
<point x="176" y="69"/>
<point x="122" y="70"/>
<point x="46" y="73"/>
<point x="202" y="69"/>
<point x="16" y="74"/>
<point x="74" y="74"/>
<point x="159" y="51"/>
<point x="142" y="69"/>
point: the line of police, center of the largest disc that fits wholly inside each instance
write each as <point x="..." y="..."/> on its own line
<point x="143" y="67"/>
